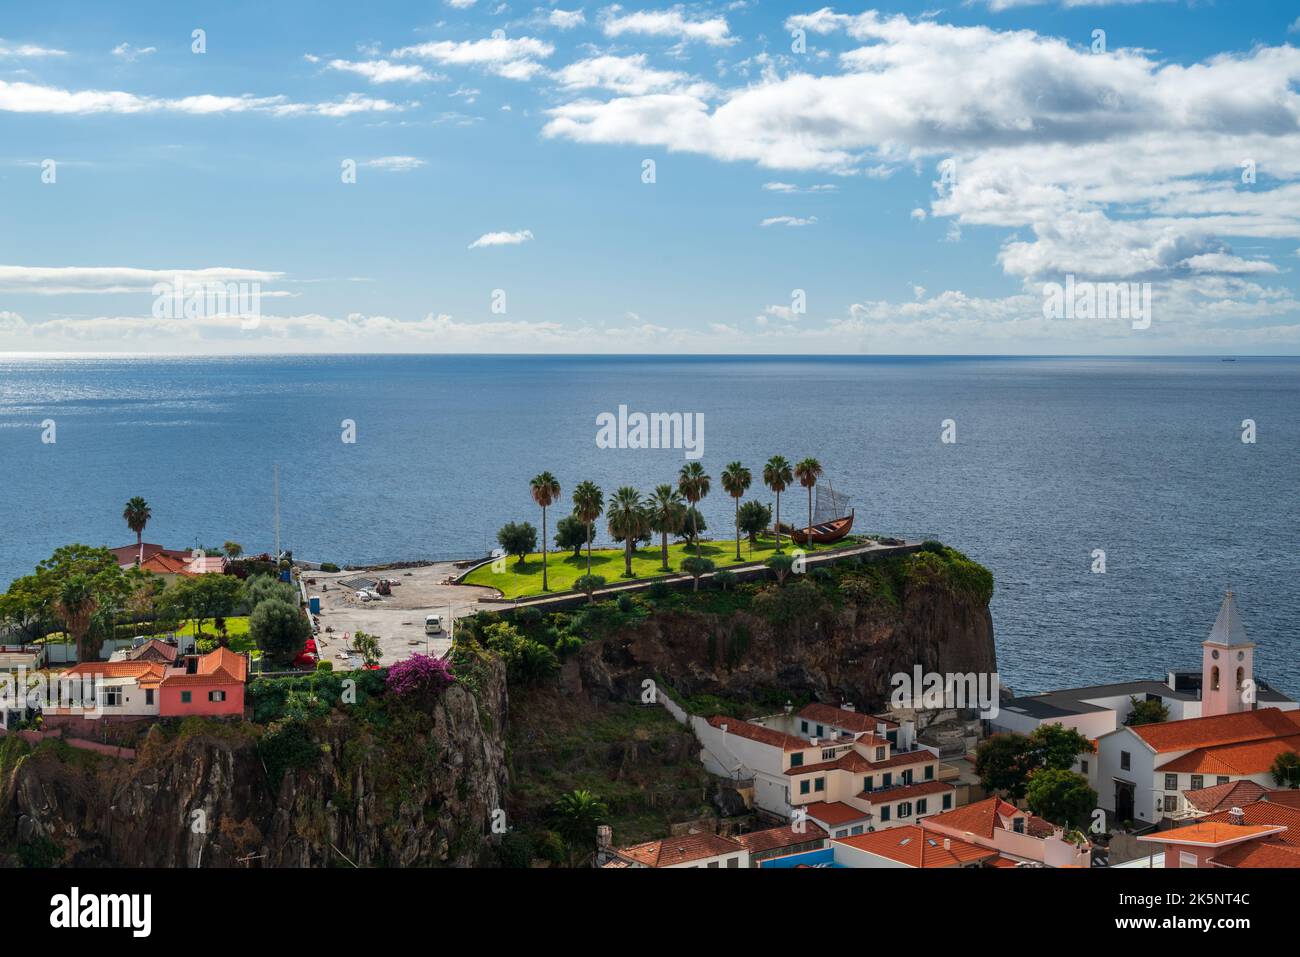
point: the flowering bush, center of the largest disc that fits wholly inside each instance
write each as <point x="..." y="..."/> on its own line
<point x="419" y="676"/>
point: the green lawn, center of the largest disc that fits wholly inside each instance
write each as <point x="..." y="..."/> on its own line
<point x="522" y="581"/>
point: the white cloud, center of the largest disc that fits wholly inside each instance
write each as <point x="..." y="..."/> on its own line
<point x="514" y="58"/>
<point x="61" y="280"/>
<point x="671" y="23"/>
<point x="792" y="188"/>
<point x="789" y="221"/>
<point x="383" y="71"/>
<point x="124" y="51"/>
<point x="10" y="50"/>
<point x="502" y="239"/>
<point x="566" y="19"/>
<point x="395" y="164"/>
<point x="33" y="98"/>
<point x="626" y="75"/>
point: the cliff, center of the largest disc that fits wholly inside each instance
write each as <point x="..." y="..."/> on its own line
<point x="385" y="786"/>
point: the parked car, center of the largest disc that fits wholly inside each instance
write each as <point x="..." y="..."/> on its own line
<point x="432" y="624"/>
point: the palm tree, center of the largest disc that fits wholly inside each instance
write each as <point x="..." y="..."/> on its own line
<point x="545" y="491"/>
<point x="667" y="513"/>
<point x="807" y="472"/>
<point x="736" y="481"/>
<point x="588" y="503"/>
<point x="693" y="483"/>
<point x="776" y="476"/>
<point x="627" y="520"/>
<point x="577" y="815"/>
<point x="137" y="516"/>
<point x="76" y="605"/>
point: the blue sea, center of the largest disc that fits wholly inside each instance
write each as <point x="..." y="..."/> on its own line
<point x="1054" y="458"/>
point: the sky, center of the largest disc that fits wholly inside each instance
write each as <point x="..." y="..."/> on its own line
<point x="743" y="177"/>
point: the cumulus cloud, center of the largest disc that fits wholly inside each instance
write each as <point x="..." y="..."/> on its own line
<point x="673" y="24"/>
<point x="129" y="53"/>
<point x="383" y="71"/>
<point x="394" y="164"/>
<point x="502" y="239"/>
<point x="626" y="75"/>
<point x="565" y="19"/>
<point x="514" y="58"/>
<point x="15" y="51"/>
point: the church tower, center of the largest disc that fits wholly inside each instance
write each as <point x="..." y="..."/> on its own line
<point x="1227" y="664"/>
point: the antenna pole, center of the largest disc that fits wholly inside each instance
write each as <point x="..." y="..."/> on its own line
<point x="277" y="513"/>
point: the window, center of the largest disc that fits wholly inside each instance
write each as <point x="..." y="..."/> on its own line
<point x="1186" y="859"/>
<point x="112" y="697"/>
<point x="1241" y="676"/>
<point x="1198" y="782"/>
<point x="866" y="783"/>
<point x="821" y="731"/>
<point x="855" y="830"/>
<point x="1171" y="782"/>
<point x="842" y="833"/>
<point x="1214" y="678"/>
<point x="929" y="772"/>
<point x="1125" y="760"/>
<point x="148" y="696"/>
<point x="1018" y="825"/>
<point x="804" y="786"/>
<point x="1083" y="766"/>
<point x="828" y="754"/>
<point x="1171" y="803"/>
<point x="733" y="862"/>
<point x="920" y="806"/>
<point x="947" y="801"/>
<point x="819" y="784"/>
<point x="889" y="780"/>
<point x="185" y="697"/>
<point x="1222" y="779"/>
<point x="880" y="754"/>
<point x="907" y="776"/>
<point x="713" y="863"/>
<point x="884" y="813"/>
<point x="904" y="808"/>
<point x="803" y="726"/>
<point x="216" y="696"/>
<point x="796" y="759"/>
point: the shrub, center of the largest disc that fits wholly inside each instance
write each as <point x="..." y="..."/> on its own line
<point x="625" y="604"/>
<point x="328" y="567"/>
<point x="516" y="850"/>
<point x="324" y="666"/>
<point x="518" y="539"/>
<point x="279" y="629"/>
<point x="724" y="578"/>
<point x="419" y="677"/>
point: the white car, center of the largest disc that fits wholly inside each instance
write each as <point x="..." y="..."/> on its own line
<point x="364" y="595"/>
<point x="432" y="625"/>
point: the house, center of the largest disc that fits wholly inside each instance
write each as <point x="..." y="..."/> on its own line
<point x="852" y="772"/>
<point x="996" y="825"/>
<point x="170" y="563"/>
<point x="128" y="555"/>
<point x="1100" y="709"/>
<point x="1228" y="840"/>
<point x="1142" y="772"/>
<point x="211" y="685"/>
<point x="155" y="649"/>
<point x="909" y="846"/>
<point x="687" y="850"/>
<point x="784" y="841"/>
<point x="1220" y="797"/>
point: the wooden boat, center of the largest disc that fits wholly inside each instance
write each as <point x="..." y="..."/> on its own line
<point x="824" y="533"/>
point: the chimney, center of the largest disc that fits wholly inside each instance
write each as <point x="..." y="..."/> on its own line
<point x="947" y="844"/>
<point x="848" y="706"/>
<point x="722" y="728"/>
<point x="604" y="837"/>
<point x="1236" y="816"/>
<point x="812" y="741"/>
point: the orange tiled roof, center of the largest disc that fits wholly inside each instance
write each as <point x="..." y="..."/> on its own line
<point x="915" y="847"/>
<point x="843" y="718"/>
<point x="1266" y="852"/>
<point x="906" y="793"/>
<point x="1250" y="757"/>
<point x="835" y="812"/>
<point x="759" y="841"/>
<point x="983" y="816"/>
<point x="1193" y="733"/>
<point x="157" y="645"/>
<point x="1291" y="798"/>
<point x="854" y="761"/>
<point x="681" y="850"/>
<point x="756" y="732"/>
<point x="163" y="564"/>
<point x="1267" y="813"/>
<point x="145" y="673"/>
<point x="219" y="667"/>
<point x="1208" y="833"/>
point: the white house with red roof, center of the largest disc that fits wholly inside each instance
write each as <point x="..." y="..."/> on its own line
<point x="1266" y="837"/>
<point x="910" y="846"/>
<point x="1142" y="772"/>
<point x="846" y="771"/>
<point x="1013" y="833"/>
<point x="687" y="850"/>
<point x="210" y="685"/>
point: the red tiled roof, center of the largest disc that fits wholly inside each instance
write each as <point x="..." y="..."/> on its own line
<point x="1224" y="796"/>
<point x="835" y="812"/>
<point x="1266" y="852"/>
<point x="1266" y="813"/>
<point x="681" y="850"/>
<point x="906" y="793"/>
<point x="1249" y="757"/>
<point x="855" y="762"/>
<point x="759" y="841"/>
<point x="843" y="718"/>
<point x="1219" y="729"/>
<point x="914" y="847"/>
<point x="219" y="667"/>
<point x="163" y="564"/>
<point x="983" y="816"/>
<point x="1291" y="798"/>
<point x="756" y="732"/>
<point x="156" y="645"/>
<point x="145" y="673"/>
<point x="1207" y="833"/>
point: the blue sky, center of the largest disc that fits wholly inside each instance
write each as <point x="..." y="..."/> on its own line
<point x="776" y="170"/>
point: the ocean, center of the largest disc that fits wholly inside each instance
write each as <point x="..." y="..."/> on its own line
<point x="1054" y="458"/>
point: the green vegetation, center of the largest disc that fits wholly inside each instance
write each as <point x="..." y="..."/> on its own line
<point x="279" y="629"/>
<point x="1010" y="763"/>
<point x="1286" y="770"/>
<point x="1146" y="712"/>
<point x="1062" y="797"/>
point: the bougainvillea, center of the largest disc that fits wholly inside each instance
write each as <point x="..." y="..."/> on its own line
<point x="419" y="676"/>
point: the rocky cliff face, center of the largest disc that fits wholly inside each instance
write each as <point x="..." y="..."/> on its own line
<point x="421" y="795"/>
<point x="833" y="652"/>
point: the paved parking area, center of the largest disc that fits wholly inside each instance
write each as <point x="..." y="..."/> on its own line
<point x="397" y="619"/>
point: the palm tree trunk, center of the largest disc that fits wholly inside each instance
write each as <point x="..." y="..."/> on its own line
<point x="139" y="545"/>
<point x="627" y="556"/>
<point x="808" y="544"/>
<point x="695" y="533"/>
<point x="737" y="502"/>
<point x="778" y="521"/>
<point x="589" y="537"/>
<point x="544" y="588"/>
<point x="664" y="536"/>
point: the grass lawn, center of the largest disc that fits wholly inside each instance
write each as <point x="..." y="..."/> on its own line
<point x="522" y="581"/>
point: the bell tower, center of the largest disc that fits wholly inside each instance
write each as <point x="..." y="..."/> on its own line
<point x="1227" y="664"/>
